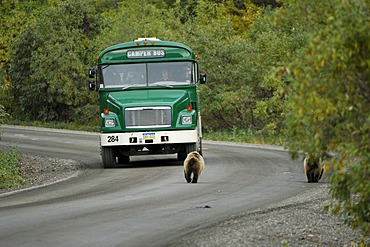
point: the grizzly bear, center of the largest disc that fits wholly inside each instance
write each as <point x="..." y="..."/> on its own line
<point x="193" y="165"/>
<point x="313" y="168"/>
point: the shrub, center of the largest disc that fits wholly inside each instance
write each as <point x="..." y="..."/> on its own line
<point x="9" y="169"/>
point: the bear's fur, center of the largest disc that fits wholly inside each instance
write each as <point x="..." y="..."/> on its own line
<point x="193" y="165"/>
<point x="313" y="168"/>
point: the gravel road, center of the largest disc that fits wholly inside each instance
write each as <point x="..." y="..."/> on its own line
<point x="298" y="221"/>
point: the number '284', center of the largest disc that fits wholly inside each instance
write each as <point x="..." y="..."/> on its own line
<point x="112" y="138"/>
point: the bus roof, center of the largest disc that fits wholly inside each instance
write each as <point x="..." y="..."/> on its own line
<point x="146" y="50"/>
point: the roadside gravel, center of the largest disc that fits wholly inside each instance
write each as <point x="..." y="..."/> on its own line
<point x="40" y="171"/>
<point x="298" y="221"/>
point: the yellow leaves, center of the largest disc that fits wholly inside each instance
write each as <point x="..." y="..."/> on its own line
<point x="322" y="63"/>
<point x="301" y="111"/>
<point x="334" y="56"/>
<point x="243" y="19"/>
<point x="271" y="127"/>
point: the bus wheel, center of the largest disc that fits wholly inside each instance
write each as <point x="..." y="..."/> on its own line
<point x="187" y="149"/>
<point x="123" y="159"/>
<point x="107" y="154"/>
<point x="200" y="147"/>
<point x="190" y="148"/>
<point x="181" y="156"/>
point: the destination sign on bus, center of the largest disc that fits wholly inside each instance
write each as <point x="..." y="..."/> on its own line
<point x="145" y="54"/>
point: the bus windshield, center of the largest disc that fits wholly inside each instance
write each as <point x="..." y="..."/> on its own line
<point x="148" y="74"/>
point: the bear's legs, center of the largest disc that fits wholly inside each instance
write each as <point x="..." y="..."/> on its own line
<point x="195" y="178"/>
<point x="310" y="176"/>
<point x="314" y="175"/>
<point x="188" y="176"/>
<point x="322" y="172"/>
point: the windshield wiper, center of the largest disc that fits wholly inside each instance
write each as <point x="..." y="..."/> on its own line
<point x="166" y="86"/>
<point x="161" y="84"/>
<point x="152" y="85"/>
<point x="135" y="85"/>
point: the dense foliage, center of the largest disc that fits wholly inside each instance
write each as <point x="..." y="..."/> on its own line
<point x="329" y="96"/>
<point x="289" y="68"/>
<point x="49" y="84"/>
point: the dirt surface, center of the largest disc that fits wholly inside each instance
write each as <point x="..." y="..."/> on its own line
<point x="298" y="221"/>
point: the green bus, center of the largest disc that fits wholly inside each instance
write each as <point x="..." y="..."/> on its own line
<point x="149" y="100"/>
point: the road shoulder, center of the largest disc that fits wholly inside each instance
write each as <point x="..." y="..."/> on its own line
<point x="298" y="221"/>
<point x="39" y="171"/>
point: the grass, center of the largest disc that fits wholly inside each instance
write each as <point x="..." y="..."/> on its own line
<point x="58" y="125"/>
<point x="9" y="169"/>
<point x="245" y="136"/>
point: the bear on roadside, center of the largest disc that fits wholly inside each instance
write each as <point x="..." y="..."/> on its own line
<point x="313" y="168"/>
<point x="193" y="165"/>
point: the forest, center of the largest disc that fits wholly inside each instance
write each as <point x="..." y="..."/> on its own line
<point x="294" y="72"/>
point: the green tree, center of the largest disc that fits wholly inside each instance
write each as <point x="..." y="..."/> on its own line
<point x="15" y="17"/>
<point x="238" y="94"/>
<point x="329" y="95"/>
<point x="276" y="41"/>
<point x="49" y="63"/>
<point x="135" y="19"/>
<point x="224" y="55"/>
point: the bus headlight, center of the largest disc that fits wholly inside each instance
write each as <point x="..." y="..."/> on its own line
<point x="186" y="119"/>
<point x="110" y="122"/>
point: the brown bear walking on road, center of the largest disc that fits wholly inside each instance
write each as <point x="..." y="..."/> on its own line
<point x="193" y="165"/>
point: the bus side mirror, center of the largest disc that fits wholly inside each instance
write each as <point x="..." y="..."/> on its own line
<point x="92" y="85"/>
<point x="91" y="72"/>
<point x="203" y="77"/>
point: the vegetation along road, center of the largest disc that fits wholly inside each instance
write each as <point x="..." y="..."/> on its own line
<point x="147" y="203"/>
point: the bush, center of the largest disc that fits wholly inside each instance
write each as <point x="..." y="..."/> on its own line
<point x="3" y="115"/>
<point x="9" y="169"/>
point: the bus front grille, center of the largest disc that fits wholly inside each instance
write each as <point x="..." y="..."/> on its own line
<point x="144" y="117"/>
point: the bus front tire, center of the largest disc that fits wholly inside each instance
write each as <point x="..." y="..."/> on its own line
<point x="123" y="159"/>
<point x="190" y="147"/>
<point x="108" y="157"/>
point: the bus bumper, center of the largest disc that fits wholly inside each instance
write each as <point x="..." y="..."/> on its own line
<point x="148" y="138"/>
